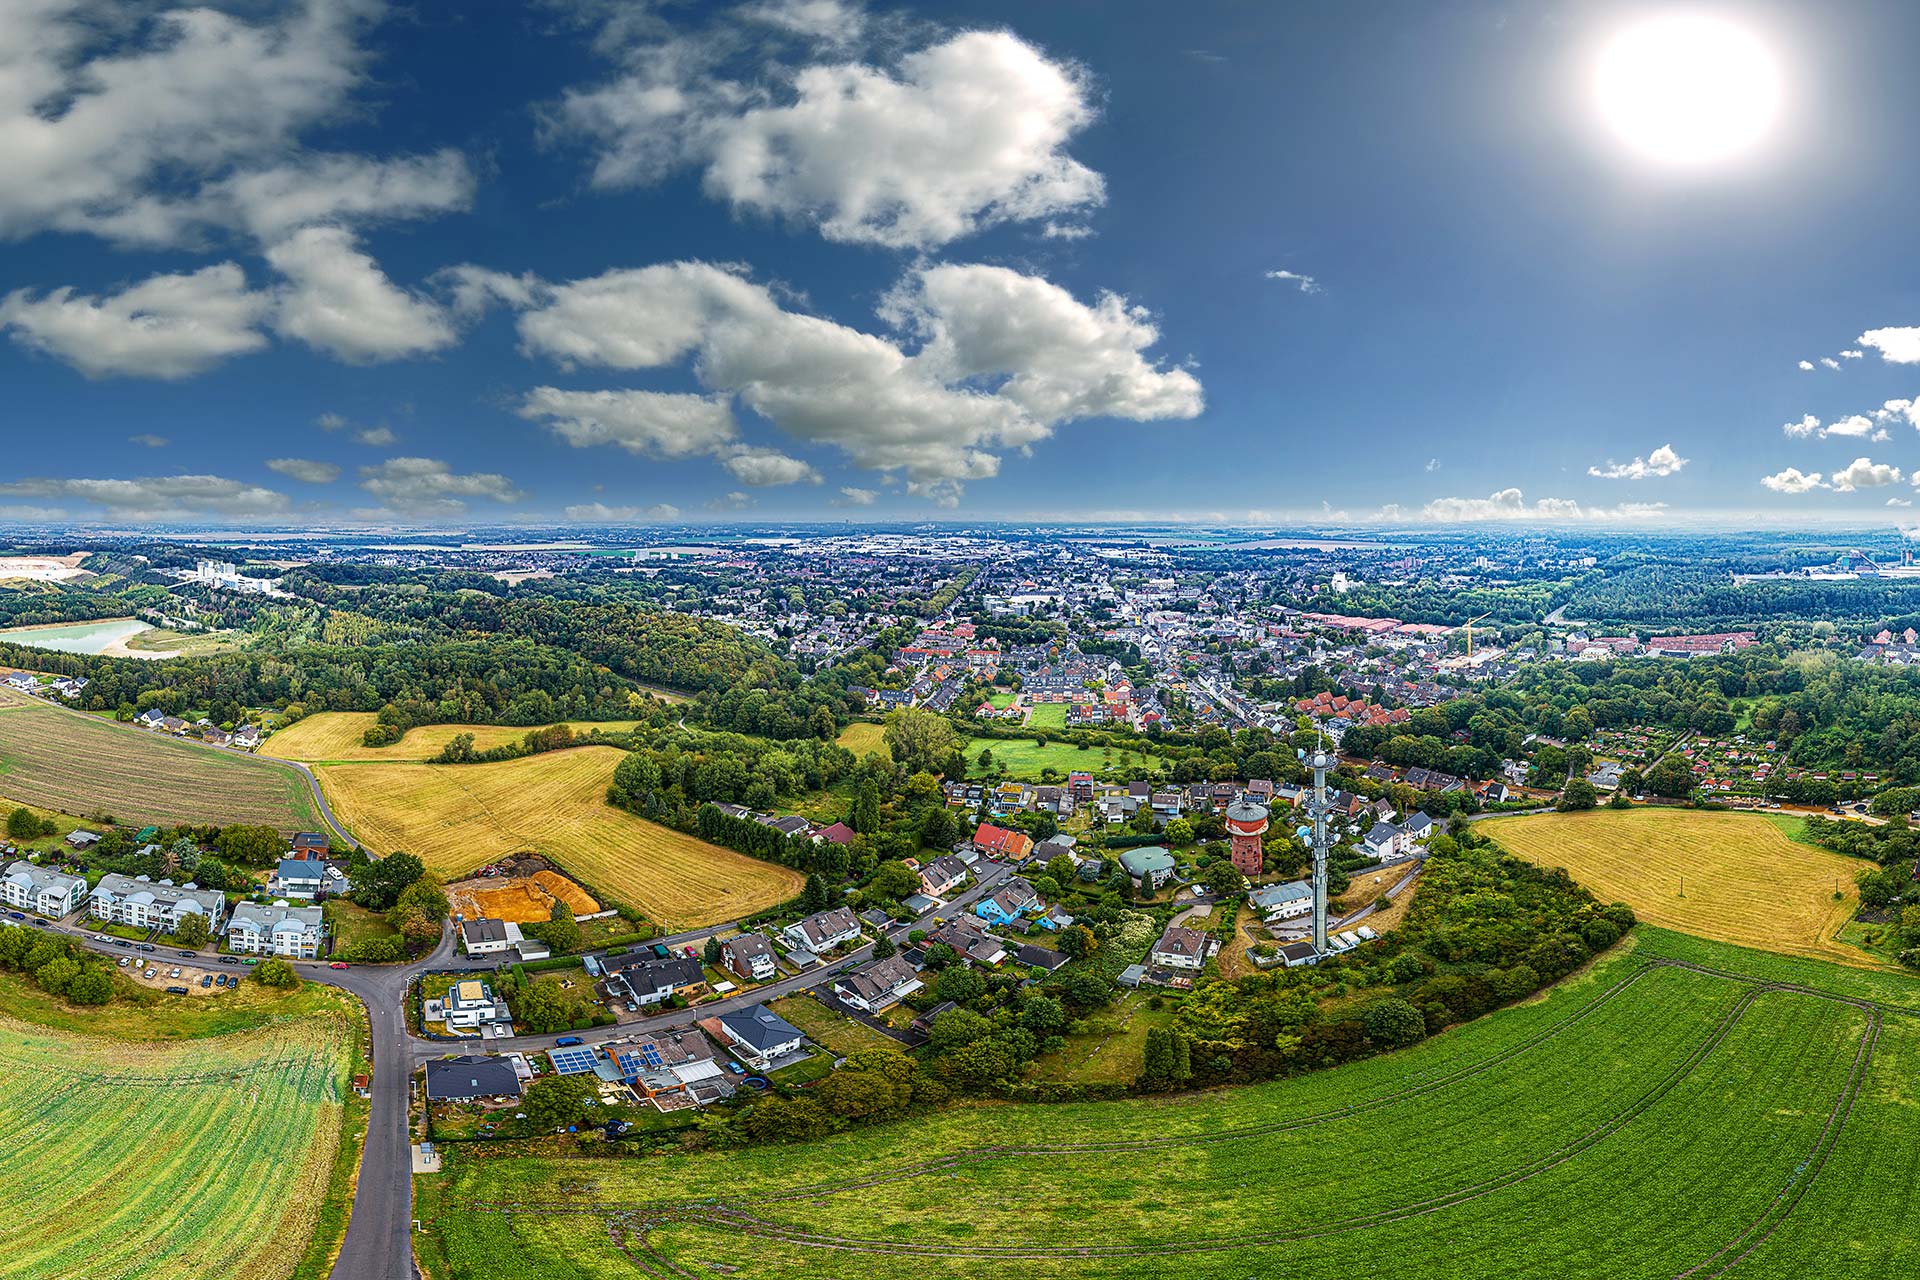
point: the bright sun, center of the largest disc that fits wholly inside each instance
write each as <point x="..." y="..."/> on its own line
<point x="1687" y="89"/>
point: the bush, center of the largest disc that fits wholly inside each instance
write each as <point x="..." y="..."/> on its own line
<point x="1394" y="1022"/>
<point x="277" y="972"/>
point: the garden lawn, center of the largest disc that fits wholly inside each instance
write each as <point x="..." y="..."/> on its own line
<point x="862" y="738"/>
<point x="1048" y="715"/>
<point x="831" y="1028"/>
<point x="1020" y="758"/>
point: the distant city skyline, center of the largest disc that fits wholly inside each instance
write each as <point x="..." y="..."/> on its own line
<point x="336" y="261"/>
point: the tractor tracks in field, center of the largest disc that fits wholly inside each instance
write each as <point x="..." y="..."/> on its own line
<point x="631" y="1224"/>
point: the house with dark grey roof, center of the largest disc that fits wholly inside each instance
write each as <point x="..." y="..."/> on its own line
<point x="879" y="985"/>
<point x="759" y="1035"/>
<point x="824" y="930"/>
<point x="41" y="889"/>
<point x="750" y="956"/>
<point x="471" y="1076"/>
<point x="648" y="980"/>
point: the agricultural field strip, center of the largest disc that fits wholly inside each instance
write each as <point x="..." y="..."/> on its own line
<point x="276" y="1115"/>
<point x="719" y="1214"/>
<point x="755" y="1226"/>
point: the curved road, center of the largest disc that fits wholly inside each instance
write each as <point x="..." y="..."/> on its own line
<point x="379" y="1240"/>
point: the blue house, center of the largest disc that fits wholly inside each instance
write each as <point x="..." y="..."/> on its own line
<point x="1015" y="902"/>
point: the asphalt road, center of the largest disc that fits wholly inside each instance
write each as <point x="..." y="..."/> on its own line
<point x="378" y="1244"/>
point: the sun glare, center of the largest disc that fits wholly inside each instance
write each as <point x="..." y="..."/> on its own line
<point x="1687" y="89"/>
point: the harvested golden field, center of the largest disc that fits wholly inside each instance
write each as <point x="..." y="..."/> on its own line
<point x="522" y="900"/>
<point x="336" y="735"/>
<point x="54" y="758"/>
<point x="1727" y="876"/>
<point x="461" y="816"/>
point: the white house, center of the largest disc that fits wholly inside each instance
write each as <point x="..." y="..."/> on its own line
<point x="278" y="930"/>
<point x="1180" y="948"/>
<point x="486" y="936"/>
<point x="824" y="930"/>
<point x="299" y="878"/>
<point x="51" y="893"/>
<point x="759" y="1036"/>
<point x="1383" y="841"/>
<point x="879" y="985"/>
<point x="1417" y="829"/>
<point x="149" y="904"/>
<point x="1282" y="901"/>
<point x="467" y="1006"/>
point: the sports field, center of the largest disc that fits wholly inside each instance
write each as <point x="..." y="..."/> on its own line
<point x="1728" y="876"/>
<point x="1645" y="1120"/>
<point x="1019" y="758"/>
<point x="460" y="816"/>
<point x="336" y="735"/>
<point x="58" y="759"/>
<point x="140" y="1161"/>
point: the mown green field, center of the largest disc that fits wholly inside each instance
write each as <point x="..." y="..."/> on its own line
<point x="1643" y="1120"/>
<point x="1018" y="758"/>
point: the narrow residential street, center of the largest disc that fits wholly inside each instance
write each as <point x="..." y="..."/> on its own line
<point x="378" y="1243"/>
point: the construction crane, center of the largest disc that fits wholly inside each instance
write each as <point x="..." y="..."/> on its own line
<point x="1468" y="624"/>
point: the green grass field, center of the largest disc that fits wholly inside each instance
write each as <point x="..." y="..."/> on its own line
<point x="57" y="759"/>
<point x="861" y="737"/>
<point x="1023" y="759"/>
<point x="1048" y="715"/>
<point x="140" y="1160"/>
<point x="1642" y="1120"/>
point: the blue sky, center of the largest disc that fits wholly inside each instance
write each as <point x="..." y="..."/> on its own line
<point x="804" y="258"/>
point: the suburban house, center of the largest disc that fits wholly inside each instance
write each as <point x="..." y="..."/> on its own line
<point x="299" y="878"/>
<point x="1282" y="901"/>
<point x="22" y="681"/>
<point x="38" y="889"/>
<point x="647" y="980"/>
<point x="1382" y="841"/>
<point x="1417" y="828"/>
<point x="468" y="1005"/>
<point x="78" y="839"/>
<point x="471" y="1076"/>
<point x="310" y="844"/>
<point x="824" y="930"/>
<point x="759" y="1036"/>
<point x="487" y="936"/>
<point x="278" y="930"/>
<point x="839" y="833"/>
<point x="1150" y="866"/>
<point x="672" y="1068"/>
<point x="148" y="904"/>
<point x="879" y="985"/>
<point x="750" y="956"/>
<point x="970" y="941"/>
<point x="791" y="825"/>
<point x="1008" y="903"/>
<point x="942" y="875"/>
<point x="1001" y="843"/>
<point x="1180" y="948"/>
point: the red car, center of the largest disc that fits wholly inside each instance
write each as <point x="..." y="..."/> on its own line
<point x="338" y="964"/>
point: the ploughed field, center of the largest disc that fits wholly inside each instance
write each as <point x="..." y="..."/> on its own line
<point x="1647" y="1119"/>
<point x="137" y="1161"/>
<point x="336" y="735"/>
<point x="1727" y="876"/>
<point x="58" y="759"/>
<point x="457" y="817"/>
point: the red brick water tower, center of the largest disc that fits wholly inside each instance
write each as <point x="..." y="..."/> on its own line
<point x="1246" y="823"/>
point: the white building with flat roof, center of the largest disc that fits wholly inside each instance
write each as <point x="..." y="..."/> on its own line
<point x="277" y="930"/>
<point x="145" y="903"/>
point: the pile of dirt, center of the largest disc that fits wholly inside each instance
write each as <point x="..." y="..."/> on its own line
<point x="523" y="899"/>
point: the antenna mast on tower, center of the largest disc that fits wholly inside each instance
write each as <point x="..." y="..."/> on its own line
<point x="1320" y="761"/>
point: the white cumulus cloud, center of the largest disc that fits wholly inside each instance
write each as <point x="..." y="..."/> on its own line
<point x="1661" y="462"/>
<point x="1862" y="473"/>
<point x="601" y="513"/>
<point x="429" y="487"/>
<point x="166" y="326"/>
<point x="649" y="423"/>
<point x="1793" y="480"/>
<point x="338" y="300"/>
<point x="1896" y="346"/>
<point x="1305" y="284"/>
<point x="305" y="469"/>
<point x="1511" y="504"/>
<point x="160" y="497"/>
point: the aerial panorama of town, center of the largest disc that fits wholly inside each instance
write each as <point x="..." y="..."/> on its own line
<point x="873" y="640"/>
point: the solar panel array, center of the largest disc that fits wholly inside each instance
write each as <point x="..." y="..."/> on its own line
<point x="575" y="1061"/>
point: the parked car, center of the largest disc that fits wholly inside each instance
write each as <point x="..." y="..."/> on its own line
<point x="338" y="964"/>
<point x="125" y="961"/>
<point x="174" y="972"/>
<point x="229" y="959"/>
<point x="206" y="980"/>
<point x="188" y="955"/>
<point x="151" y="974"/>
<point x="632" y="1007"/>
<point x="176" y="991"/>
<point x="39" y="924"/>
<point x="144" y="946"/>
<point x="250" y="961"/>
<point x="124" y="943"/>
<point x="566" y="1040"/>
<point x="16" y="915"/>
